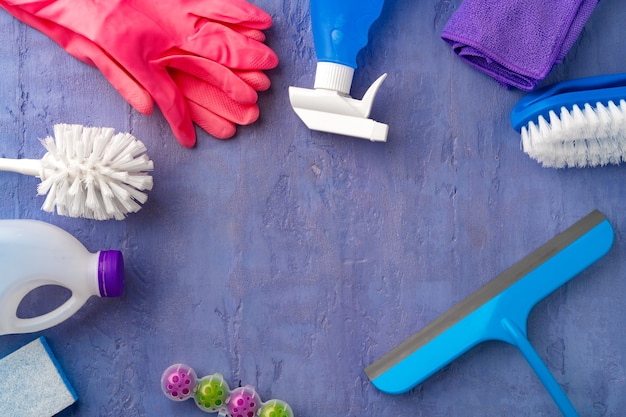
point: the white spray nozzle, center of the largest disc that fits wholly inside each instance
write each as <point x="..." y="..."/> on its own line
<point x="329" y="108"/>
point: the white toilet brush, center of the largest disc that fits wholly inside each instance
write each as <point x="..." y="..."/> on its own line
<point x="89" y="172"/>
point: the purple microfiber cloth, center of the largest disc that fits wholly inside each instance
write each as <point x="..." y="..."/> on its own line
<point x="516" y="42"/>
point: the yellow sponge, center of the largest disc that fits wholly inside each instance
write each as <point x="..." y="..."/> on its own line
<point x="32" y="384"/>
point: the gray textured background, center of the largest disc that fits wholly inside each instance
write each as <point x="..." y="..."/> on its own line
<point x="290" y="260"/>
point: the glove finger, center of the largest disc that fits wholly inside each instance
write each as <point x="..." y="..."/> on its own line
<point x="213" y="73"/>
<point x="211" y="123"/>
<point x="172" y="103"/>
<point x="209" y="97"/>
<point x="253" y="34"/>
<point x="238" y="12"/>
<point x="128" y="87"/>
<point x="230" y="48"/>
<point x="255" y="79"/>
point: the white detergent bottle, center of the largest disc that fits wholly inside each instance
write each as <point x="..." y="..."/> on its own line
<point x="34" y="253"/>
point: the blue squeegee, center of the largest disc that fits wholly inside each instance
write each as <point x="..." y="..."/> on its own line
<point x="498" y="311"/>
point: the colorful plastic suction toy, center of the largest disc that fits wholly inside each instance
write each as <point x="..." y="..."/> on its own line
<point x="178" y="382"/>
<point x="213" y="395"/>
<point x="244" y="402"/>
<point x="275" y="408"/>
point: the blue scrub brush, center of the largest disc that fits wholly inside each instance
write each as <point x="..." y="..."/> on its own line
<point x="575" y="123"/>
<point x="89" y="172"/>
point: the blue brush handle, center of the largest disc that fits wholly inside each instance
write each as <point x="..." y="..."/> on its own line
<point x="340" y="28"/>
<point x="519" y="339"/>
<point x="601" y="88"/>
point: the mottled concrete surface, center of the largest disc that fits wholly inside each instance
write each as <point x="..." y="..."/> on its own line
<point x="290" y="260"/>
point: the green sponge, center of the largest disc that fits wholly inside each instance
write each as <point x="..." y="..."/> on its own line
<point x="32" y="383"/>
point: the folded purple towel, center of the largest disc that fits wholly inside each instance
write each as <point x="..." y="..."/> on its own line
<point x="516" y="42"/>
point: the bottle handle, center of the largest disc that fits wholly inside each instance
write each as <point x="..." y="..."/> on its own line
<point x="49" y="319"/>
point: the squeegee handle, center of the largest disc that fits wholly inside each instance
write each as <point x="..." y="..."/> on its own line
<point x="521" y="341"/>
<point x="340" y="28"/>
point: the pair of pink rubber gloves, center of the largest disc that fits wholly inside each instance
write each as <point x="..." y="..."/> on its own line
<point x="200" y="61"/>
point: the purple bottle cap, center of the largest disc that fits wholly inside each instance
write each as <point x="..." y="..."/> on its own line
<point x="111" y="273"/>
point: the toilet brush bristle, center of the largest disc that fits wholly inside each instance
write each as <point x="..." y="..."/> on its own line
<point x="94" y="173"/>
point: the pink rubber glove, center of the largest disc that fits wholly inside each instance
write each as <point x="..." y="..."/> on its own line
<point x="178" y="52"/>
<point x="210" y="108"/>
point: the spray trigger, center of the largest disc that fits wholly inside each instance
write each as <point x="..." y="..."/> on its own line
<point x="329" y="107"/>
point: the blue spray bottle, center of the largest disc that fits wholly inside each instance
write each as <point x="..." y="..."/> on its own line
<point x="340" y="30"/>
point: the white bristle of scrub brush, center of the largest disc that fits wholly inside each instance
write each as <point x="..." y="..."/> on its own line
<point x="89" y="172"/>
<point x="587" y="136"/>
